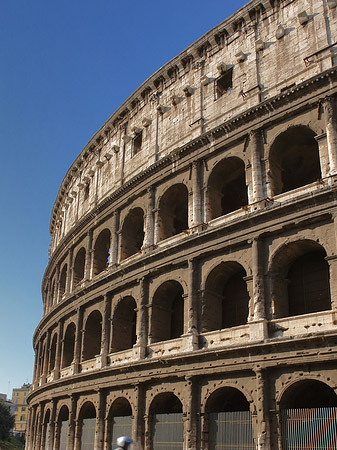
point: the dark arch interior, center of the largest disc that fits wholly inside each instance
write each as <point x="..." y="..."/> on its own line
<point x="167" y="312"/>
<point x="173" y="211"/>
<point x="132" y="233"/>
<point x="52" y="353"/>
<point x="101" y="252"/>
<point x="69" y="345"/>
<point x="227" y="190"/>
<point x="88" y="411"/>
<point x="226" y="299"/>
<point x="294" y="160"/>
<point x="63" y="414"/>
<point x="121" y="407"/>
<point x="309" y="394"/>
<point x="308" y="284"/>
<point x="92" y="336"/>
<point x="166" y="403"/>
<point x="79" y="265"/>
<point x="227" y="399"/>
<point x="124" y="325"/>
<point x="63" y="280"/>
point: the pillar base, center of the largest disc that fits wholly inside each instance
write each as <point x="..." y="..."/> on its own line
<point x="258" y="330"/>
<point x="139" y="351"/>
<point x="191" y="341"/>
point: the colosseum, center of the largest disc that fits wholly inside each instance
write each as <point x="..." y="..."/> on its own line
<point x="190" y="299"/>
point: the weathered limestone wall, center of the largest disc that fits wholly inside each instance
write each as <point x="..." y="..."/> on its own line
<point x="266" y="47"/>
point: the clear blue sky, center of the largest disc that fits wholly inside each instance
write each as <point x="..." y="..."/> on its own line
<point x="65" y="67"/>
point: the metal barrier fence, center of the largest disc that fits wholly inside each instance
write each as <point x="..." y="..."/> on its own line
<point x="167" y="431"/>
<point x="88" y="434"/>
<point x="231" y="430"/>
<point x="63" y="435"/>
<point x="309" y="429"/>
<point x="121" y="426"/>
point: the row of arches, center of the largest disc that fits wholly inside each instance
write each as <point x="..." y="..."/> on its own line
<point x="293" y="162"/>
<point x="227" y="420"/>
<point x="300" y="284"/>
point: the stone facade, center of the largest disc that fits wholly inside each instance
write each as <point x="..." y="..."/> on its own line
<point x="193" y="263"/>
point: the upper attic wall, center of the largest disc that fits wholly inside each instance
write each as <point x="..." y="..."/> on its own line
<point x="266" y="47"/>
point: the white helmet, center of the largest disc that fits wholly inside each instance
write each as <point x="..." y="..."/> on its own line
<point x="124" y="442"/>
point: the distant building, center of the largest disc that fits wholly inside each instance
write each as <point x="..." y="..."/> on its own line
<point x="11" y="406"/>
<point x="19" y="399"/>
<point x="3" y="397"/>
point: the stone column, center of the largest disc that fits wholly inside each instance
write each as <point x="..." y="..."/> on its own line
<point x="114" y="239"/>
<point x="68" y="286"/>
<point x="323" y="154"/>
<point x="78" y="433"/>
<point x="256" y="155"/>
<point x="71" y="422"/>
<point x="148" y="425"/>
<point x="88" y="257"/>
<point x="78" y="340"/>
<point x="332" y="261"/>
<point x="262" y="401"/>
<point x="191" y="425"/>
<point x="39" y="427"/>
<point x="49" y="296"/>
<point x="29" y="433"/>
<point x="34" y="428"/>
<point x="46" y="357"/>
<point x="51" y="434"/>
<point x="138" y="430"/>
<point x="99" y="432"/>
<point x="58" y="350"/>
<point x="57" y="435"/>
<point x="38" y="363"/>
<point x="57" y="283"/>
<point x="106" y="326"/>
<point x="156" y="225"/>
<point x="190" y="306"/>
<point x="330" y="115"/>
<point x="142" y="318"/>
<point x="259" y="330"/>
<point x="195" y="204"/>
<point x="149" y="219"/>
<point x="107" y="431"/>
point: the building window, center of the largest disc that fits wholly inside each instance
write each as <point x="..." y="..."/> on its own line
<point x="137" y="143"/>
<point x="224" y="83"/>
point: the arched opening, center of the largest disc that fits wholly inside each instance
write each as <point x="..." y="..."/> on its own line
<point x="63" y="280"/>
<point x="132" y="235"/>
<point x="226" y="299"/>
<point x="124" y="325"/>
<point x="167" y="320"/>
<point x="166" y="421"/>
<point x="308" y="416"/>
<point x="45" y="430"/>
<point x="227" y="190"/>
<point x="79" y="265"/>
<point x="301" y="283"/>
<point x="87" y="422"/>
<point x="101" y="252"/>
<point x="92" y="336"/>
<point x="52" y="354"/>
<point x="294" y="160"/>
<point x="68" y="345"/>
<point x="120" y="421"/>
<point x="62" y="428"/>
<point x="228" y="420"/>
<point x="173" y="211"/>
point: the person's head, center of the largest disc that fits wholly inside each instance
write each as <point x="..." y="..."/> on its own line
<point x="124" y="442"/>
